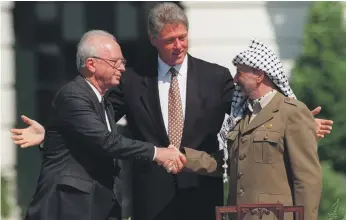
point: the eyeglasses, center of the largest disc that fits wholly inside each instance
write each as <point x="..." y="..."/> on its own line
<point x="115" y="64"/>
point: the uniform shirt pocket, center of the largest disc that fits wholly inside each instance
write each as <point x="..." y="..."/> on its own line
<point x="265" y="146"/>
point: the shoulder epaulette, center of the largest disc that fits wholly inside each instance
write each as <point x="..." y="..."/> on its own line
<point x="291" y="101"/>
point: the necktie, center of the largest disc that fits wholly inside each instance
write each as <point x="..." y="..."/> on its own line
<point x="175" y="111"/>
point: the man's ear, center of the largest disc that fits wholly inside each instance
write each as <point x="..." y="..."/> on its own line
<point x="260" y="76"/>
<point x="152" y="39"/>
<point x="90" y="64"/>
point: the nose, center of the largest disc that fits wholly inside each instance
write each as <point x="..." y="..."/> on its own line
<point x="121" y="68"/>
<point x="177" y="44"/>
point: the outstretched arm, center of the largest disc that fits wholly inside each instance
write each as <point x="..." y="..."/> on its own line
<point x="199" y="162"/>
<point x="34" y="135"/>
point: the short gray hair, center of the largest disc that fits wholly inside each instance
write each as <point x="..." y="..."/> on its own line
<point x="165" y="13"/>
<point x="86" y="48"/>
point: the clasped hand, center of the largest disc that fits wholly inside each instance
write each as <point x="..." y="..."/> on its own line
<point x="170" y="158"/>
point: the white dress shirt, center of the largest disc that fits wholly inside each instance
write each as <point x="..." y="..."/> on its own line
<point x="164" y="81"/>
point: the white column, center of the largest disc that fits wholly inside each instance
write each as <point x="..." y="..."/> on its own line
<point x="8" y="101"/>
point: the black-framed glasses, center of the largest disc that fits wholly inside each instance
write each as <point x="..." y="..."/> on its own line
<point x="116" y="63"/>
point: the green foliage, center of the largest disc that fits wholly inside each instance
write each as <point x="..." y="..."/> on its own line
<point x="333" y="213"/>
<point x="319" y="75"/>
<point x="333" y="202"/>
<point x="5" y="205"/>
<point x="319" y="79"/>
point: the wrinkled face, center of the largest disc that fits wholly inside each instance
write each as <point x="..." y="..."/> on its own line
<point x="171" y="43"/>
<point x="247" y="77"/>
<point x="108" y="66"/>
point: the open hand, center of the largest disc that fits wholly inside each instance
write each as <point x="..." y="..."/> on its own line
<point x="29" y="136"/>
<point x="323" y="126"/>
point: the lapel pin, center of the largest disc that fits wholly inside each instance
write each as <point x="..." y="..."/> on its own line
<point x="269" y="126"/>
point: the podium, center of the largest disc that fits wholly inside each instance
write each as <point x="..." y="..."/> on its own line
<point x="260" y="210"/>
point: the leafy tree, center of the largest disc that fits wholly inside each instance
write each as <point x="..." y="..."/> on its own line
<point x="319" y="75"/>
<point x="319" y="78"/>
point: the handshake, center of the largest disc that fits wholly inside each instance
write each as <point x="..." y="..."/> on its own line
<point x="170" y="158"/>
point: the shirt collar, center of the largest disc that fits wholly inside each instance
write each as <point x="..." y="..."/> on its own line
<point x="163" y="68"/>
<point x="99" y="96"/>
<point x="258" y="104"/>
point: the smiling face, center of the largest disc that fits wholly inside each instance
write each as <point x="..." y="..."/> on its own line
<point x="171" y="43"/>
<point x="248" y="78"/>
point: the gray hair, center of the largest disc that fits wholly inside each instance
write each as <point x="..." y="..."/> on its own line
<point x="87" y="48"/>
<point x="165" y="13"/>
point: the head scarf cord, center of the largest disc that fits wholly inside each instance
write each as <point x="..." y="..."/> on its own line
<point x="257" y="56"/>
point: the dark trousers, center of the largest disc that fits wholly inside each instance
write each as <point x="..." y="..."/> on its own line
<point x="190" y="204"/>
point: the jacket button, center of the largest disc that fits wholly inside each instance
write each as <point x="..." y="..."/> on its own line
<point x="240" y="192"/>
<point x="242" y="157"/>
<point x="240" y="174"/>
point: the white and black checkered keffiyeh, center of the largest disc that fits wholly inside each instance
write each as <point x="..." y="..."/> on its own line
<point x="257" y="56"/>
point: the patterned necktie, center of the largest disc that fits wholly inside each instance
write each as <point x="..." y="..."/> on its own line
<point x="175" y="111"/>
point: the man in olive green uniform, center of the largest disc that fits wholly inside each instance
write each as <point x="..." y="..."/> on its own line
<point x="271" y="149"/>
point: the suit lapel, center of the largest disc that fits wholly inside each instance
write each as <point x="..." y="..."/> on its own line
<point x="192" y="105"/>
<point x="265" y="114"/>
<point x="151" y="101"/>
<point x="80" y="80"/>
<point x="110" y="114"/>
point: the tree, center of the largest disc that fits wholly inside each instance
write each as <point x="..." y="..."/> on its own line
<point x="319" y="78"/>
<point x="333" y="202"/>
<point x="319" y="75"/>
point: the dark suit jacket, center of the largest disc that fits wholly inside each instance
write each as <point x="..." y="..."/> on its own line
<point x="208" y="95"/>
<point x="78" y="171"/>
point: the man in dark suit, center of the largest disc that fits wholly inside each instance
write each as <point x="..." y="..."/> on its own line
<point x="146" y="95"/>
<point x="175" y="90"/>
<point x="79" y="173"/>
